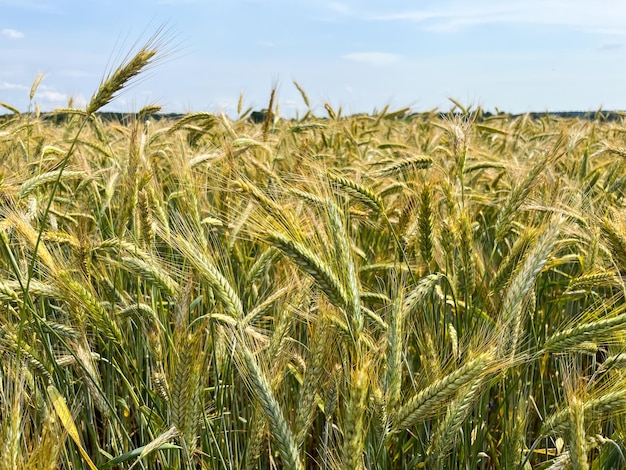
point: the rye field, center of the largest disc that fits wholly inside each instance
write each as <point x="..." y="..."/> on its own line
<point x="333" y="292"/>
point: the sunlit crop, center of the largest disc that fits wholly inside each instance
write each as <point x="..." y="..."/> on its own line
<point x="372" y="291"/>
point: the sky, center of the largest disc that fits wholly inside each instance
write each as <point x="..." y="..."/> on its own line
<point x="514" y="56"/>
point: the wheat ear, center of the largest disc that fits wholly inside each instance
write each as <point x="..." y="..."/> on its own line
<point x="41" y="179"/>
<point x="612" y="402"/>
<point x="465" y="264"/>
<point x="425" y="225"/>
<point x="223" y="289"/>
<point x="395" y="348"/>
<point x="313" y="379"/>
<point x="571" y="337"/>
<point x="357" y="191"/>
<point x="184" y="399"/>
<point x="256" y="433"/>
<point x="613" y="232"/>
<point x="429" y="401"/>
<point x="507" y="266"/>
<point x="510" y="315"/>
<point x="354" y="434"/>
<point x="516" y="197"/>
<point x="124" y="73"/>
<point x="444" y="435"/>
<point x="280" y="429"/>
<point x="406" y="161"/>
<point x="346" y="265"/>
<point x="152" y="273"/>
<point x="578" y="446"/>
<point x="312" y="265"/>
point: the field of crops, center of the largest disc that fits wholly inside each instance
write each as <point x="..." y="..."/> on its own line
<point x="384" y="291"/>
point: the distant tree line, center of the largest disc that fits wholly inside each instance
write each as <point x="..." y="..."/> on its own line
<point x="259" y="116"/>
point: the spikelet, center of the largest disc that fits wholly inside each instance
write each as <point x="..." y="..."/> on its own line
<point x="8" y="294"/>
<point x="262" y="263"/>
<point x="581" y="333"/>
<point x="184" y="397"/>
<point x="617" y="361"/>
<point x="35" y="85"/>
<point x="264" y="305"/>
<point x="159" y="441"/>
<point x="454" y="340"/>
<point x="407" y="220"/>
<point x="357" y="191"/>
<point x="145" y="218"/>
<point x="42" y="179"/>
<point x="269" y="205"/>
<point x="221" y="286"/>
<point x="430" y="400"/>
<point x="507" y="266"/>
<point x="308" y="197"/>
<point x="465" y="263"/>
<point x="13" y="109"/>
<point x="578" y="446"/>
<point x="330" y="111"/>
<point x="203" y="119"/>
<point x="395" y="348"/>
<point x="303" y="94"/>
<point x="406" y="162"/>
<point x="313" y="266"/>
<point x="511" y="316"/>
<point x="313" y="379"/>
<point x="87" y="308"/>
<point x="11" y="346"/>
<point x="613" y="232"/>
<point x="444" y="435"/>
<point x="36" y="288"/>
<point x="586" y="282"/>
<point x="256" y="433"/>
<point x="447" y="240"/>
<point x="516" y="198"/>
<point x="121" y="76"/>
<point x="279" y="428"/>
<point x="421" y="293"/>
<point x="611" y="402"/>
<point x="148" y="111"/>
<point x="26" y="230"/>
<point x="151" y="273"/>
<point x="269" y="115"/>
<point x="91" y="377"/>
<point x="353" y="426"/>
<point x="345" y="265"/>
<point x="425" y="224"/>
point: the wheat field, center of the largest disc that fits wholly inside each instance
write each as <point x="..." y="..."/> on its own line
<point x="441" y="290"/>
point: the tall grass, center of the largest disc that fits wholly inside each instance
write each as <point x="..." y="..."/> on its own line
<point x="383" y="291"/>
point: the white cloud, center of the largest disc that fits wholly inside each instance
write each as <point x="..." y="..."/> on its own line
<point x="12" y="33"/>
<point x="376" y="59"/>
<point x="339" y="7"/>
<point x="29" y="5"/>
<point x="12" y="86"/>
<point x="51" y="96"/>
<point x="48" y="97"/>
<point x="602" y="16"/>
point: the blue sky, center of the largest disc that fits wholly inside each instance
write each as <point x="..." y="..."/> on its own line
<point x="516" y="56"/>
